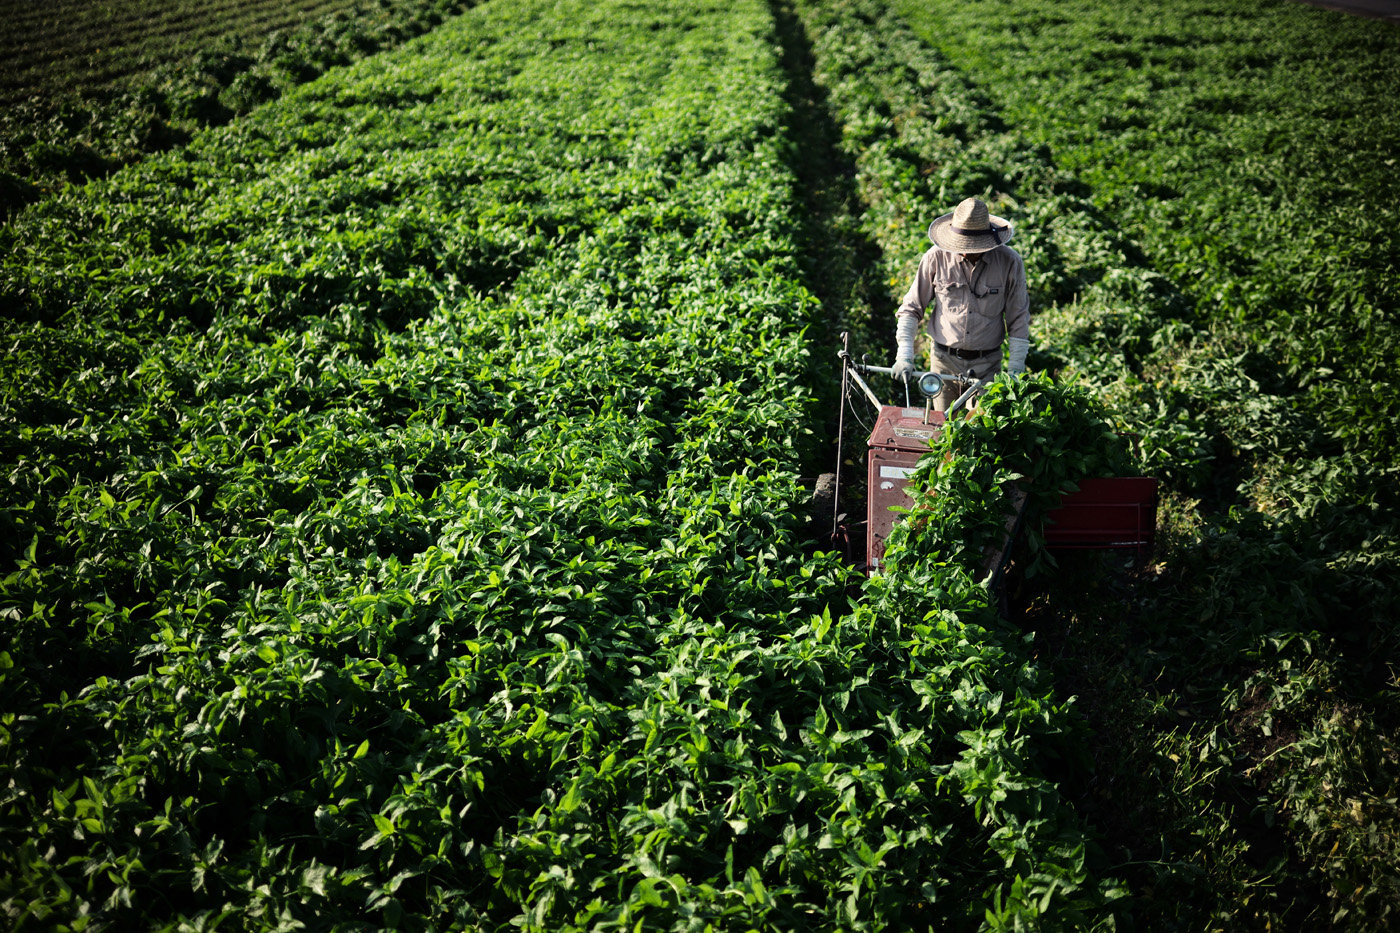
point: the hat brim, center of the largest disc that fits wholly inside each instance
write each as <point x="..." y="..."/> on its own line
<point x="942" y="235"/>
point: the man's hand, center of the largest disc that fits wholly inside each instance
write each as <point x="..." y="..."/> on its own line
<point x="903" y="370"/>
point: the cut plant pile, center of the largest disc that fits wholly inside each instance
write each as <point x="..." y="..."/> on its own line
<point x="401" y="528"/>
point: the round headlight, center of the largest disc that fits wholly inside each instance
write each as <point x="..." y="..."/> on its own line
<point x="930" y="384"/>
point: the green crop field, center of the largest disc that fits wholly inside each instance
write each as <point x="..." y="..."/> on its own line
<point x="407" y="444"/>
<point x="86" y="88"/>
<point x="50" y="48"/>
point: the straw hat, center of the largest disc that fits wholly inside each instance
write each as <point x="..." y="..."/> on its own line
<point x="970" y="229"/>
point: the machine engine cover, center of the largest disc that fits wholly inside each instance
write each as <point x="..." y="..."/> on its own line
<point x="901" y="436"/>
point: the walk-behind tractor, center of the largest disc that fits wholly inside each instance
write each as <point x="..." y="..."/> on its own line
<point x="1117" y="513"/>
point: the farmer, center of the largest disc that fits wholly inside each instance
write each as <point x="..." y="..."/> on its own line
<point x="976" y="287"/>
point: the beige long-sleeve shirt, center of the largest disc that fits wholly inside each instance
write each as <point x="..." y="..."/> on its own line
<point x="974" y="307"/>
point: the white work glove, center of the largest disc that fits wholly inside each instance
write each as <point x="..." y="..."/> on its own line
<point x="905" y="329"/>
<point x="1020" y="346"/>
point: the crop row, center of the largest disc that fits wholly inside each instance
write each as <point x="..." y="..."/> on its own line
<point x="402" y="495"/>
<point x="51" y="137"/>
<point x="68" y="50"/>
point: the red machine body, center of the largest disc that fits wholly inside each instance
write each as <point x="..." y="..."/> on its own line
<point x="900" y="437"/>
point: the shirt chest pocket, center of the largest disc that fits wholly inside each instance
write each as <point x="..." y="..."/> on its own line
<point x="953" y="297"/>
